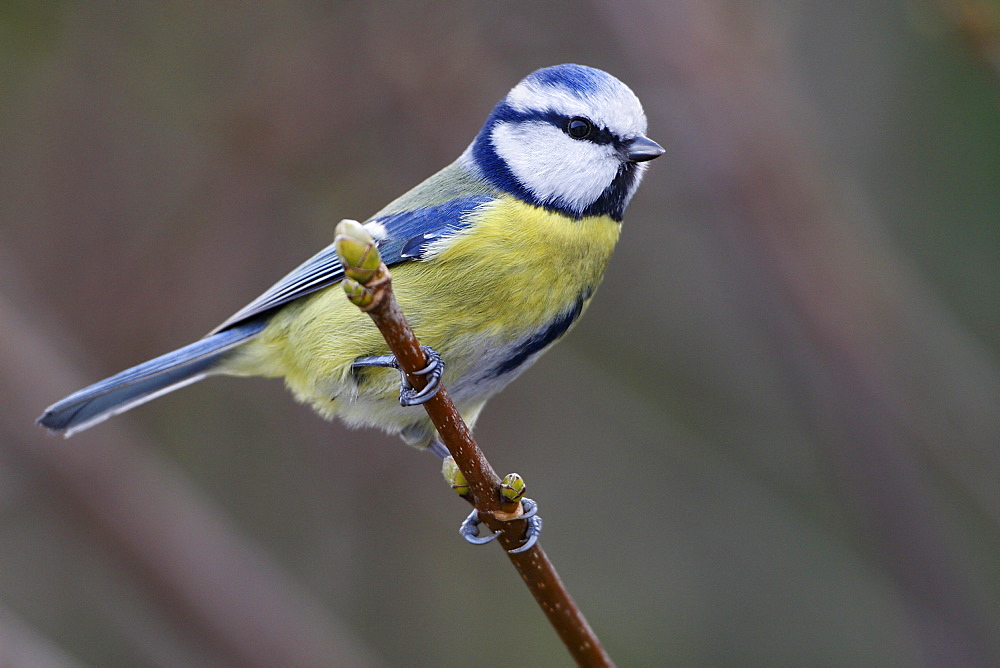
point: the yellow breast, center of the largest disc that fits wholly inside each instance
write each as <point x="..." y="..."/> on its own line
<point x="516" y="266"/>
<point x="514" y="269"/>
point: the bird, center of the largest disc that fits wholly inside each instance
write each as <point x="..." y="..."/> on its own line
<point x="494" y="258"/>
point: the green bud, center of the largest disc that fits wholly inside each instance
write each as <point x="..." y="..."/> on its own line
<point x="454" y="476"/>
<point x="512" y="488"/>
<point x="358" y="294"/>
<point x="356" y="250"/>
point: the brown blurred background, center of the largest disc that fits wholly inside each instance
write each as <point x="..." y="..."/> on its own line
<point x="782" y="407"/>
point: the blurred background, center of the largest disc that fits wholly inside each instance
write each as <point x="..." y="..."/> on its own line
<point x="786" y="394"/>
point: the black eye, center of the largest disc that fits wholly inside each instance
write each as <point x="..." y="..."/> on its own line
<point x="579" y="128"/>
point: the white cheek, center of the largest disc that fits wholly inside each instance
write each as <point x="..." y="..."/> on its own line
<point x="554" y="167"/>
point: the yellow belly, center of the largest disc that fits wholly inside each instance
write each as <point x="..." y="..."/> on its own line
<point x="473" y="298"/>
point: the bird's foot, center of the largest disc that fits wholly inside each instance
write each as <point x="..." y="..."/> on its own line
<point x="470" y="527"/>
<point x="408" y="395"/>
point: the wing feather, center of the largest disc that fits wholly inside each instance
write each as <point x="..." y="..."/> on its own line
<point x="404" y="237"/>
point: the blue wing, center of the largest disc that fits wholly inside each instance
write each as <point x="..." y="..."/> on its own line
<point x="400" y="237"/>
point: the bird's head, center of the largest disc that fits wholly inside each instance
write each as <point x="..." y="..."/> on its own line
<point x="568" y="138"/>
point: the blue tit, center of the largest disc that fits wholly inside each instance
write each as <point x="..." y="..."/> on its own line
<point x="493" y="258"/>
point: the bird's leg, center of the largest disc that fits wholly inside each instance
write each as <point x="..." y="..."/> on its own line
<point x="438" y="448"/>
<point x="408" y="396"/>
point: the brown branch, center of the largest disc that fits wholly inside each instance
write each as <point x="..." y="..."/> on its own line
<point x="376" y="298"/>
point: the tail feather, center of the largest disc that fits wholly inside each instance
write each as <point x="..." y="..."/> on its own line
<point x="146" y="381"/>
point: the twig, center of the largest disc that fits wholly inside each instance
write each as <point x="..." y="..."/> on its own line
<point x="369" y="286"/>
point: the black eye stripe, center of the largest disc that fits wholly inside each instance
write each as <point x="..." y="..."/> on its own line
<point x="581" y="128"/>
<point x="598" y="136"/>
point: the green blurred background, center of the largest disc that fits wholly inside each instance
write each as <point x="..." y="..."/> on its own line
<point x="773" y="439"/>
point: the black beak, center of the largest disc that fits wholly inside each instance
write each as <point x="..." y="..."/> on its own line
<point x="641" y="149"/>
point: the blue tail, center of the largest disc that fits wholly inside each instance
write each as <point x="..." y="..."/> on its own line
<point x="147" y="381"/>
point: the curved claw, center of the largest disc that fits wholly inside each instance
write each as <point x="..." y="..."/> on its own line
<point x="470" y="527"/>
<point x="531" y="534"/>
<point x="481" y="541"/>
<point x="470" y="530"/>
<point x="434" y="370"/>
<point x="433" y="362"/>
<point x="530" y="509"/>
<point x="407" y="395"/>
